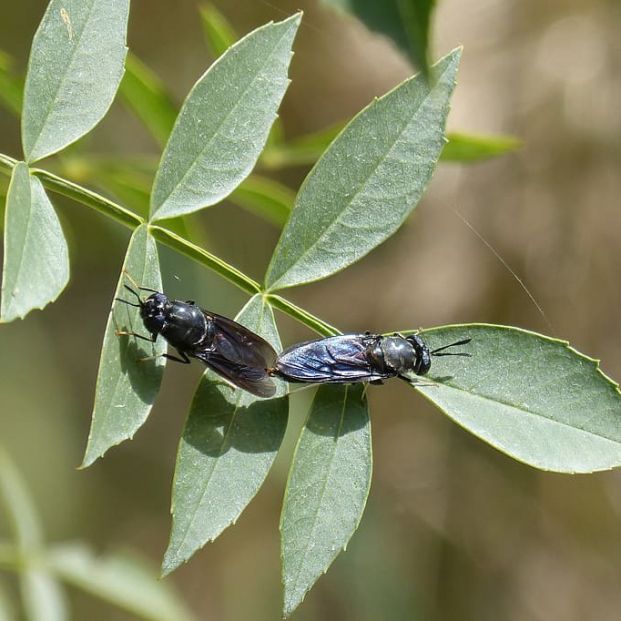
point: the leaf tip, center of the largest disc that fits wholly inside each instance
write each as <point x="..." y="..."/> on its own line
<point x="166" y="570"/>
<point x="292" y="603"/>
<point x="172" y="561"/>
<point x="456" y="53"/>
<point x="296" y="17"/>
<point x="90" y="457"/>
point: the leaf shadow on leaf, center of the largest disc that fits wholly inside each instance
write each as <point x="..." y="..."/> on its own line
<point x="138" y="365"/>
<point x="440" y="379"/>
<point x="217" y="423"/>
<point x="322" y="423"/>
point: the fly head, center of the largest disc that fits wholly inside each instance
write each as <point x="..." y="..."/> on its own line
<point x="154" y="312"/>
<point x="422" y="355"/>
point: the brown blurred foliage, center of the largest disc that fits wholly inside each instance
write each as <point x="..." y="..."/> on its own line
<point x="453" y="530"/>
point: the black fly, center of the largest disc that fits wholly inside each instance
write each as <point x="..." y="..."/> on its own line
<point x="350" y="358"/>
<point x="227" y="347"/>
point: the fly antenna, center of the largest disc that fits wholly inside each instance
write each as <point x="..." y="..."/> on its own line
<point x="127" y="302"/>
<point x="437" y="352"/>
<point x="136" y="285"/>
<point x="139" y="305"/>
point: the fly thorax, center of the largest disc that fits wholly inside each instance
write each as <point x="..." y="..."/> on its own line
<point x="399" y="355"/>
<point x="375" y="355"/>
<point x="209" y="333"/>
<point x="185" y="326"/>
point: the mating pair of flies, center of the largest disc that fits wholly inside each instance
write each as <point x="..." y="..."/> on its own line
<point x="249" y="362"/>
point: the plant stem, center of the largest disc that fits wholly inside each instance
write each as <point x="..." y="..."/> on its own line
<point x="232" y="274"/>
<point x="131" y="220"/>
<point x="78" y="193"/>
<point x="301" y="315"/>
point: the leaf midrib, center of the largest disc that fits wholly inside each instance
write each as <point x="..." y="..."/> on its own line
<point x="224" y="443"/>
<point x="61" y="81"/>
<point x="101" y="358"/>
<point x="481" y="397"/>
<point x="332" y="223"/>
<point x="323" y="492"/>
<point x="208" y="144"/>
<point x="198" y="504"/>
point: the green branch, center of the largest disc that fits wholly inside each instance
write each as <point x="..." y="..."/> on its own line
<point x="78" y="193"/>
<point x="131" y="220"/>
<point x="299" y="314"/>
<point x="232" y="274"/>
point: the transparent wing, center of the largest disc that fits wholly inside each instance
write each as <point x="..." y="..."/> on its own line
<point x="253" y="379"/>
<point x="238" y="344"/>
<point x="333" y="360"/>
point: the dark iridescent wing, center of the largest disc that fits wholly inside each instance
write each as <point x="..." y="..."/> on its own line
<point x="253" y="379"/>
<point x="238" y="344"/>
<point x="333" y="360"/>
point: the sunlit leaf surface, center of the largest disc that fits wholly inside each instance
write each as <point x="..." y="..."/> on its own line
<point x="127" y="384"/>
<point x="530" y="396"/>
<point x="75" y="67"/>
<point x="327" y="488"/>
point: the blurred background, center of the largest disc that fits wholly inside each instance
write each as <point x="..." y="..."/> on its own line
<point x="453" y="529"/>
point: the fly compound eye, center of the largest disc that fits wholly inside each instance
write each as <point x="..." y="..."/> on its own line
<point x="154" y="323"/>
<point x="423" y="357"/>
<point x="156" y="300"/>
<point x="423" y="362"/>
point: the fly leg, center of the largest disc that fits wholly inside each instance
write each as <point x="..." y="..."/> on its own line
<point x="184" y="359"/>
<point x="136" y="284"/>
<point x="151" y="338"/>
<point x="413" y="381"/>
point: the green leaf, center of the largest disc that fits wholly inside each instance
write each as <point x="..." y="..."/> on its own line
<point x="42" y="596"/>
<point x="18" y="505"/>
<point x="127" y="385"/>
<point x="228" y="446"/>
<point x="471" y="148"/>
<point x="301" y="151"/>
<point x="368" y="181"/>
<point x="301" y="315"/>
<point x="219" y="34"/>
<point x="11" y="87"/>
<point x="7" y="609"/>
<point x="224" y="122"/>
<point x="145" y="95"/>
<point x="266" y="198"/>
<point x="122" y="579"/>
<point x="406" y="22"/>
<point x="530" y="396"/>
<point x="75" y="67"/>
<point x="36" y="258"/>
<point x="327" y="488"/>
